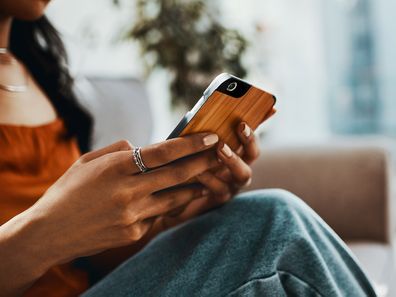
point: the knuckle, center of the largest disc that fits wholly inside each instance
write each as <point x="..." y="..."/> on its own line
<point x="125" y="144"/>
<point x="128" y="218"/>
<point x="82" y="159"/>
<point x="246" y="174"/>
<point x="134" y="232"/>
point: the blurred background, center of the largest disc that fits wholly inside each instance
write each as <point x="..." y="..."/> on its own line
<point x="331" y="64"/>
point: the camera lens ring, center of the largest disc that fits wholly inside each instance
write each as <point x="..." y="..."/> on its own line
<point x="232" y="86"/>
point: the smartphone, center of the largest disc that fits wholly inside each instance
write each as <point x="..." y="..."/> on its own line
<point x="225" y="103"/>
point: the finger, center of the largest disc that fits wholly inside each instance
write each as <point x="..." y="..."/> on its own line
<point x="216" y="186"/>
<point x="224" y="174"/>
<point x="163" y="153"/>
<point x="138" y="230"/>
<point x="251" y="150"/>
<point x="270" y="114"/>
<point x="173" y="149"/>
<point x="177" y="173"/>
<point x="176" y="212"/>
<point x="193" y="209"/>
<point x="166" y="201"/>
<point x="240" y="171"/>
<point x="123" y="145"/>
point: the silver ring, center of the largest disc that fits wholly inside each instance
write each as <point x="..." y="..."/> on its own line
<point x="137" y="158"/>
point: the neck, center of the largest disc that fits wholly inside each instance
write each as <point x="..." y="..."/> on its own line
<point x="5" y="28"/>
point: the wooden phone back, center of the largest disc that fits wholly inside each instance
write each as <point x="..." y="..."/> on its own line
<point x="222" y="113"/>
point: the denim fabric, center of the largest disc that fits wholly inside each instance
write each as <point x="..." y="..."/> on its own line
<point x="263" y="243"/>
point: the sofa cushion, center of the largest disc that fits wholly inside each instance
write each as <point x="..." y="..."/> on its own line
<point x="347" y="187"/>
<point x="120" y="108"/>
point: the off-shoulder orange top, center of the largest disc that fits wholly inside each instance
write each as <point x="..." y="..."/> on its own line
<point x="31" y="160"/>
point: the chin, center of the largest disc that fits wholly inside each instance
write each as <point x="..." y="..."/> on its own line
<point x="26" y="10"/>
<point x="35" y="10"/>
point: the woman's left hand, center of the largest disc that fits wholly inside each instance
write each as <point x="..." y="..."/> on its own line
<point x="224" y="183"/>
<point x="222" y="186"/>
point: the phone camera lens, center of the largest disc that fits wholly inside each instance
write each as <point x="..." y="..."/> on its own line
<point x="232" y="86"/>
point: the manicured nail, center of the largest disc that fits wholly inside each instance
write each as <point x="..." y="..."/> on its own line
<point x="246" y="131"/>
<point x="210" y="139"/>
<point x="226" y="151"/>
<point x="248" y="183"/>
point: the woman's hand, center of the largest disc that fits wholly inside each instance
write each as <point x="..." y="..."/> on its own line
<point x="102" y="202"/>
<point x="220" y="185"/>
<point x="224" y="182"/>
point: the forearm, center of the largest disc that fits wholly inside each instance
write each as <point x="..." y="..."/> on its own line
<point x="24" y="253"/>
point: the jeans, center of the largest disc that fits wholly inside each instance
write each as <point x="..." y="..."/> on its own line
<point x="263" y="243"/>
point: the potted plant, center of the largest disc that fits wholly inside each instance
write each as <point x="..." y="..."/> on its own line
<point x="186" y="38"/>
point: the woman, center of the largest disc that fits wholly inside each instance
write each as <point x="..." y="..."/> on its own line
<point x="57" y="206"/>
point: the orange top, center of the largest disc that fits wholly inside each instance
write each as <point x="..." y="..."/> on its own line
<point x="31" y="160"/>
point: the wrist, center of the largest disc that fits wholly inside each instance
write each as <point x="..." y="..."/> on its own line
<point x="24" y="247"/>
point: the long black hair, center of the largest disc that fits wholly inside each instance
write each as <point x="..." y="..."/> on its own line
<point x="38" y="46"/>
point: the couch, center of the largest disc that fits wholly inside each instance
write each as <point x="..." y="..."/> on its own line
<point x="349" y="187"/>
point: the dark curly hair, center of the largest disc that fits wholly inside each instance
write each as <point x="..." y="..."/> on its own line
<point x="38" y="45"/>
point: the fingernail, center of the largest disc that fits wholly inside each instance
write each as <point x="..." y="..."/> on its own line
<point x="226" y="151"/>
<point x="246" y="131"/>
<point x="248" y="183"/>
<point x="210" y="139"/>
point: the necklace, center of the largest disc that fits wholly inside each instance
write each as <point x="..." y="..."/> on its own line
<point x="6" y="58"/>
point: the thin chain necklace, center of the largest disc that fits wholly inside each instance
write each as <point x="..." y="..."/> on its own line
<point x="6" y="58"/>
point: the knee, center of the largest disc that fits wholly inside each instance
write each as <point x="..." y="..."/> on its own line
<point x="266" y="207"/>
<point x="271" y="199"/>
<point x="277" y="214"/>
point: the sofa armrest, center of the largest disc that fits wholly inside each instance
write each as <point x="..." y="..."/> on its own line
<point x="347" y="187"/>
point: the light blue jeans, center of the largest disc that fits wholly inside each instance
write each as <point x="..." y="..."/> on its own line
<point x="263" y="243"/>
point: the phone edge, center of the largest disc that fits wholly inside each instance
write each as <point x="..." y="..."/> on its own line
<point x="214" y="85"/>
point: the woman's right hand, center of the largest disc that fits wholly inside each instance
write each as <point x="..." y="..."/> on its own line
<point x="103" y="201"/>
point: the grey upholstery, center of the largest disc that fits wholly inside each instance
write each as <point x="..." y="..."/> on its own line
<point x="120" y="108"/>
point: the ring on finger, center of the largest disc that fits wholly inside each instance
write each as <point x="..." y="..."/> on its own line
<point x="137" y="158"/>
